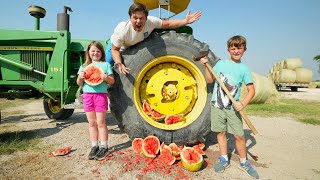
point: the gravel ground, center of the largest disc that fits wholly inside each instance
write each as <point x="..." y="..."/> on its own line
<point x="284" y="148"/>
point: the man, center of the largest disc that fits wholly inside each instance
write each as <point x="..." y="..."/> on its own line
<point x="139" y="27"/>
<point x="129" y="33"/>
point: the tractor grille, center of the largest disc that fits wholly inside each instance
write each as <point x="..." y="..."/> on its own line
<point x="37" y="59"/>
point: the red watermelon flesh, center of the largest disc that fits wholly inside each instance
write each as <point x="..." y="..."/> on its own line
<point x="166" y="157"/>
<point x="147" y="108"/>
<point x="172" y="119"/>
<point x="150" y="146"/>
<point x="93" y="75"/>
<point x="157" y="116"/>
<point x="62" y="152"/>
<point x="136" y="145"/>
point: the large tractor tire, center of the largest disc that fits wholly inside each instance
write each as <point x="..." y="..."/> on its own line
<point x="164" y="74"/>
<point x="53" y="109"/>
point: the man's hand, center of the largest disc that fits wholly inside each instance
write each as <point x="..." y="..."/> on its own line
<point x="194" y="17"/>
<point x="123" y="69"/>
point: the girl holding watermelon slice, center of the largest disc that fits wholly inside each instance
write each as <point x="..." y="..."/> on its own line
<point x="94" y="76"/>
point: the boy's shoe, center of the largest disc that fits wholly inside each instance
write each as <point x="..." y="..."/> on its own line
<point x="246" y="167"/>
<point x="101" y="154"/>
<point x="93" y="152"/>
<point x="222" y="165"/>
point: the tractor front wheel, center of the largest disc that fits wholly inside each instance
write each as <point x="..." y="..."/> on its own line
<point x="164" y="75"/>
<point x="53" y="109"/>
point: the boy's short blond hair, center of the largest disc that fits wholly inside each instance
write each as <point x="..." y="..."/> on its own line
<point x="237" y="41"/>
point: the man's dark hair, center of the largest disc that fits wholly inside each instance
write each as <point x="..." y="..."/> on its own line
<point x="138" y="7"/>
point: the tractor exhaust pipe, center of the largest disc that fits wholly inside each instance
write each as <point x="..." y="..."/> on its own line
<point x="63" y="19"/>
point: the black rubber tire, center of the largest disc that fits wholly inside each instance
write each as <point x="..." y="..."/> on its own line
<point x="62" y="114"/>
<point x="135" y="57"/>
<point x="294" y="89"/>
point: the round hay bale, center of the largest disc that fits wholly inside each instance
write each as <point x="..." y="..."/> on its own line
<point x="317" y="83"/>
<point x="281" y="64"/>
<point x="292" y="63"/>
<point x="287" y="76"/>
<point x="303" y="75"/>
<point x="276" y="76"/>
<point x="312" y="85"/>
<point x="265" y="91"/>
<point x="274" y="68"/>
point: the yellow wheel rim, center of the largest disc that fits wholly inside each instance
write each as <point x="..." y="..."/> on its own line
<point x="171" y="85"/>
<point x="54" y="105"/>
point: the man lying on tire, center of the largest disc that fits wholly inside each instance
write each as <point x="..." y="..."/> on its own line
<point x="129" y="33"/>
<point x="139" y="27"/>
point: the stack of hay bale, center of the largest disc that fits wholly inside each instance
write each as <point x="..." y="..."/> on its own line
<point x="265" y="91"/>
<point x="290" y="71"/>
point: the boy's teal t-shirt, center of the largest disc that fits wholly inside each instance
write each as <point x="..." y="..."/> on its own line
<point x="232" y="74"/>
<point x="101" y="88"/>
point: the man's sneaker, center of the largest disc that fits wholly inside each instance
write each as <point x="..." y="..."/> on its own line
<point x="101" y="154"/>
<point x="246" y="167"/>
<point x="222" y="165"/>
<point x="93" y="152"/>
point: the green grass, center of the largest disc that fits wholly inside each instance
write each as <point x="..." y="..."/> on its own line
<point x="304" y="111"/>
<point x="17" y="141"/>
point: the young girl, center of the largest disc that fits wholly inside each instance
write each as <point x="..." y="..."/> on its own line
<point x="95" y="100"/>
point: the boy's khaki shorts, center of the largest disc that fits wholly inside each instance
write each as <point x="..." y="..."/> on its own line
<point x="226" y="120"/>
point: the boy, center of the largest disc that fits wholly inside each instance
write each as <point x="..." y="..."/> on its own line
<point x="232" y="73"/>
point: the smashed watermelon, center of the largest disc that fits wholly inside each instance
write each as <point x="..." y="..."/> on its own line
<point x="147" y="108"/>
<point x="62" y="152"/>
<point x="191" y="159"/>
<point x="93" y="75"/>
<point x="172" y="119"/>
<point x="136" y="145"/>
<point x="166" y="156"/>
<point x="150" y="146"/>
<point x="157" y="116"/>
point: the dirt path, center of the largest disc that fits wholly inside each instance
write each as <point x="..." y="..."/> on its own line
<point x="286" y="149"/>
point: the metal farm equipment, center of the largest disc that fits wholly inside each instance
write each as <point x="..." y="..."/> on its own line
<point x="47" y="62"/>
<point x="39" y="62"/>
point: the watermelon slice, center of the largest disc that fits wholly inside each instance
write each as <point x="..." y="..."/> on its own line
<point x="93" y="75"/>
<point x="62" y="152"/>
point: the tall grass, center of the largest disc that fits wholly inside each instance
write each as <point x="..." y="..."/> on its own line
<point x="304" y="111"/>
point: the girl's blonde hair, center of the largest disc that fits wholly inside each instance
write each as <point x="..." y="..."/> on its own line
<point x="100" y="47"/>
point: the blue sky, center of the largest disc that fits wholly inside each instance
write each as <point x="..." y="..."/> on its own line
<point x="275" y="29"/>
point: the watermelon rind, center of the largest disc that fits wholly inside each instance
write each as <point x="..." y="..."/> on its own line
<point x="174" y="149"/>
<point x="150" y="146"/>
<point x="147" y="108"/>
<point x="191" y="166"/>
<point x="166" y="158"/>
<point x="136" y="145"/>
<point x="157" y="116"/>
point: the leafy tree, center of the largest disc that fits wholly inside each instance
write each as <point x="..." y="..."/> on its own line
<point x="317" y="58"/>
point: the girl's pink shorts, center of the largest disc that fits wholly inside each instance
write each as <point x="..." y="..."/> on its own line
<point x="97" y="102"/>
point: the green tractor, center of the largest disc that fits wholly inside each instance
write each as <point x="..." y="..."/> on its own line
<point x="162" y="74"/>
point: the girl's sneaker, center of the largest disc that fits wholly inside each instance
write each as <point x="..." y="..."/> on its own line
<point x="102" y="153"/>
<point x="222" y="165"/>
<point x="93" y="152"/>
<point x="246" y="167"/>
